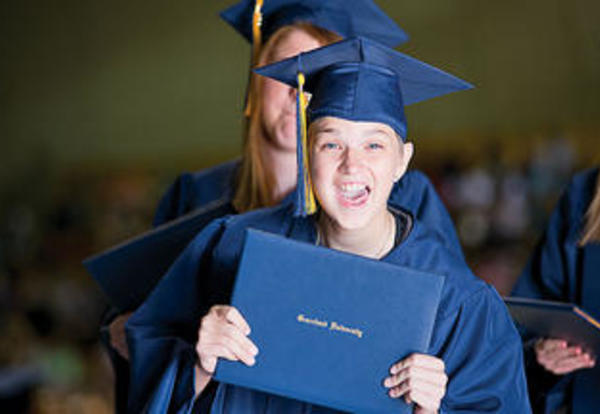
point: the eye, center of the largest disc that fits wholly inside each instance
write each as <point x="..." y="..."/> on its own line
<point x="330" y="146"/>
<point x="374" y="146"/>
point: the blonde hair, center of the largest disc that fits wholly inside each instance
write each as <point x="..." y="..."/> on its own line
<point x="255" y="182"/>
<point x="591" y="229"/>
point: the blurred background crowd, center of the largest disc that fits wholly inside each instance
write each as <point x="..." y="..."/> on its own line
<point x="102" y="104"/>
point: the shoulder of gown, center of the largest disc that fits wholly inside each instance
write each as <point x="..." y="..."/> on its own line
<point x="426" y="249"/>
<point x="192" y="190"/>
<point x="415" y="194"/>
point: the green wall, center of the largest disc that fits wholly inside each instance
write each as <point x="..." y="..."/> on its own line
<point x="160" y="83"/>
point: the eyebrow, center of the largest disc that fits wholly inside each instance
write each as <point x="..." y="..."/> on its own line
<point x="371" y="131"/>
<point x="327" y="130"/>
<point x="377" y="130"/>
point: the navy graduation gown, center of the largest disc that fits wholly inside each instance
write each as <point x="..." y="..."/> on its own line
<point x="414" y="193"/>
<point x="473" y="333"/>
<point x="193" y="190"/>
<point x="554" y="272"/>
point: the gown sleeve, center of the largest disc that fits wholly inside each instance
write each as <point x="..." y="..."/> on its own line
<point x="162" y="333"/>
<point x="483" y="356"/>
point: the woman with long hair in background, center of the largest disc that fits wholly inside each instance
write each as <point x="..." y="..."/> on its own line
<point x="562" y="376"/>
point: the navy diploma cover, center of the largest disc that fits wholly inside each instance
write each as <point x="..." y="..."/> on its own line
<point x="328" y="324"/>
<point x="547" y="319"/>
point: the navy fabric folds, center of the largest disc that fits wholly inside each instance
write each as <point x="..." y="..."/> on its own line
<point x="359" y="79"/>
<point x="472" y="332"/>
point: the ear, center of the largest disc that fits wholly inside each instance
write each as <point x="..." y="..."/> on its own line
<point x="406" y="152"/>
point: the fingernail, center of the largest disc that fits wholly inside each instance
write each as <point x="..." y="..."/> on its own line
<point x="252" y="361"/>
<point x="393" y="370"/>
<point x="387" y="383"/>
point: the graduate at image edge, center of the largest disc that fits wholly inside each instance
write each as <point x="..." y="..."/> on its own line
<point x="355" y="151"/>
<point x="561" y="375"/>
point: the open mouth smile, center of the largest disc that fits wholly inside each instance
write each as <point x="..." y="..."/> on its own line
<point x="353" y="194"/>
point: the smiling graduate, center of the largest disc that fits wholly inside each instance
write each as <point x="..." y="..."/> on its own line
<point x="352" y="149"/>
<point x="265" y="174"/>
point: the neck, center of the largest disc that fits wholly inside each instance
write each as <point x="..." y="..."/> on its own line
<point x="281" y="163"/>
<point x="374" y="240"/>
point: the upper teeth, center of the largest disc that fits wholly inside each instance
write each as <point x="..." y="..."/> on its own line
<point x="353" y="187"/>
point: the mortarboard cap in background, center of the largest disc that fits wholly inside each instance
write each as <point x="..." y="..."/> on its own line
<point x="346" y="18"/>
<point x="359" y="80"/>
<point x="257" y="20"/>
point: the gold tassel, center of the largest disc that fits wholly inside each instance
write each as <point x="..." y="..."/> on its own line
<point x="256" y="47"/>
<point x="309" y="196"/>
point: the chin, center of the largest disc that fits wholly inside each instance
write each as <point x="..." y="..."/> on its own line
<point x="350" y="220"/>
<point x="349" y="217"/>
<point x="286" y="139"/>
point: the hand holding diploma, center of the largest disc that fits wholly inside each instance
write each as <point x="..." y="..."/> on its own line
<point x="556" y="356"/>
<point x="421" y="379"/>
<point x="223" y="333"/>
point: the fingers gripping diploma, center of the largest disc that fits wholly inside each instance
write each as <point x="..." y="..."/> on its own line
<point x="556" y="356"/>
<point x="419" y="378"/>
<point x="223" y="333"/>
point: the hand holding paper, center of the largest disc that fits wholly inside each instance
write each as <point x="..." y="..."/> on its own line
<point x="224" y="334"/>
<point x="559" y="358"/>
<point x="419" y="378"/>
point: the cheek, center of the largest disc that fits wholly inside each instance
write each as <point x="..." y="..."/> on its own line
<point x="273" y="92"/>
<point x="269" y="103"/>
<point x="316" y="168"/>
<point x="386" y="170"/>
<point x="321" y="170"/>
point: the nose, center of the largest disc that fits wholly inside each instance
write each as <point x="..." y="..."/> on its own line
<point x="351" y="161"/>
